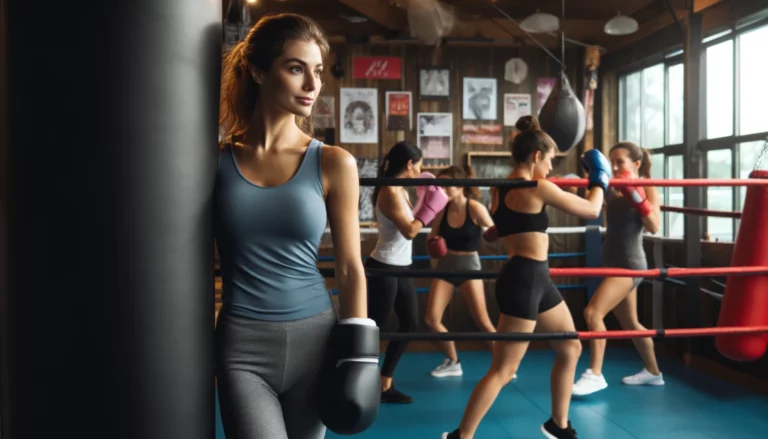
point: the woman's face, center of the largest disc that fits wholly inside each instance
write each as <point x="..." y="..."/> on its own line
<point x="295" y="79"/>
<point x="453" y="192"/>
<point x="622" y="162"/>
<point x="542" y="163"/>
<point x="414" y="169"/>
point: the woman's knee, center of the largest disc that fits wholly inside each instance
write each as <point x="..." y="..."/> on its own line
<point x="433" y="320"/>
<point x="593" y="316"/>
<point x="570" y="350"/>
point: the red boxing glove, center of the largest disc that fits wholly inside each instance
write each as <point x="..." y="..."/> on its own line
<point x="491" y="234"/>
<point x="436" y="247"/>
<point x="636" y="195"/>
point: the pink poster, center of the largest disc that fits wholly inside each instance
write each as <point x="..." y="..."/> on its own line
<point x="544" y="87"/>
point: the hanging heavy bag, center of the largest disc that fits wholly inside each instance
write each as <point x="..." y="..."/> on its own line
<point x="562" y="116"/>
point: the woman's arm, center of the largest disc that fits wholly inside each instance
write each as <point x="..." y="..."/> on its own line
<point x="435" y="231"/>
<point x="343" y="194"/>
<point x="393" y="205"/>
<point x="480" y="213"/>
<point x="651" y="222"/>
<point x="588" y="207"/>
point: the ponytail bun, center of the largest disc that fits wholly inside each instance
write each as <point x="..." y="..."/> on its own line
<point x="527" y="123"/>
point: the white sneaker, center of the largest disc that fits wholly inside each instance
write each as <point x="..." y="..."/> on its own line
<point x="448" y="369"/>
<point x="644" y="378"/>
<point x="589" y="383"/>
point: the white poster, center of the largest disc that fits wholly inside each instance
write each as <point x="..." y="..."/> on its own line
<point x="359" y="115"/>
<point x="515" y="107"/>
<point x="435" y="138"/>
<point x="480" y="99"/>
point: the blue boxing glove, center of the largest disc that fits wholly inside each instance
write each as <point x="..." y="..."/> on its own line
<point x="598" y="167"/>
<point x="349" y="388"/>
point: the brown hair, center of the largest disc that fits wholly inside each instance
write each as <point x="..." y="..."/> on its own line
<point x="530" y="139"/>
<point x="462" y="172"/>
<point x="636" y="153"/>
<point x="263" y="44"/>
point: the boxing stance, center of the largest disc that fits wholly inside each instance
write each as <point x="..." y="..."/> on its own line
<point x="398" y="223"/>
<point x="628" y="211"/>
<point x="526" y="296"/>
<point x="276" y="188"/>
<point x="454" y="241"/>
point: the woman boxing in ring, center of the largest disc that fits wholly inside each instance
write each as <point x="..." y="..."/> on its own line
<point x="398" y="223"/>
<point x="454" y="241"/>
<point x="628" y="211"/>
<point x="276" y="189"/>
<point x="526" y="296"/>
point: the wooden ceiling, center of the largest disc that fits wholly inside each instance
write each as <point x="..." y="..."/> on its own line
<point x="383" y="22"/>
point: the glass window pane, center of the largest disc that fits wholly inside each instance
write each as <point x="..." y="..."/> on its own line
<point x="720" y="90"/>
<point x="675" y="171"/>
<point x="675" y="85"/>
<point x="748" y="154"/>
<point x="653" y="106"/>
<point x="753" y="87"/>
<point x="632" y="114"/>
<point x="657" y="171"/>
<point x="719" y="164"/>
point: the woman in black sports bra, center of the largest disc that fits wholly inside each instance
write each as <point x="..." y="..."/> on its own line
<point x="460" y="226"/>
<point x="525" y="293"/>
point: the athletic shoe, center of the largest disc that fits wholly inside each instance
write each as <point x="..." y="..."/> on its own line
<point x="589" y="383"/>
<point x="552" y="431"/>
<point x="448" y="369"/>
<point x="452" y="435"/>
<point x="395" y="396"/>
<point x="644" y="378"/>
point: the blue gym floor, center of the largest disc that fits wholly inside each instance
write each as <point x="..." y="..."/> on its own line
<point x="691" y="405"/>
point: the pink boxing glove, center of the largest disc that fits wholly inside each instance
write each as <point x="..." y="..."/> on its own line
<point x="420" y="190"/>
<point x="491" y="234"/>
<point x="433" y="201"/>
<point x="436" y="247"/>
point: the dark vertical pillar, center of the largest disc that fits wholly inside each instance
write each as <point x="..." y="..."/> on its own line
<point x="110" y="146"/>
<point x="693" y="168"/>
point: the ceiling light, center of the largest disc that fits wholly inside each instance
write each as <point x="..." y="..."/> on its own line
<point x="540" y="22"/>
<point x="621" y="25"/>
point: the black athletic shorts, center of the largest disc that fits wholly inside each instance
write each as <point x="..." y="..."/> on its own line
<point x="524" y="288"/>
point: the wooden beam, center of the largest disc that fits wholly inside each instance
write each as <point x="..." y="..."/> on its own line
<point x="379" y="11"/>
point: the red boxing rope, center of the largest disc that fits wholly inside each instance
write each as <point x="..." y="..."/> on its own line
<point x="671" y="333"/>
<point x="656" y="272"/>
<point x="689" y="182"/>
<point x="702" y="212"/>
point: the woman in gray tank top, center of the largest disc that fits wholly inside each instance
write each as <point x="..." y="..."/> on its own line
<point x="276" y="189"/>
<point x="629" y="211"/>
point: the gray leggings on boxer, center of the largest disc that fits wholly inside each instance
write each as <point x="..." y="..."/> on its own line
<point x="267" y="373"/>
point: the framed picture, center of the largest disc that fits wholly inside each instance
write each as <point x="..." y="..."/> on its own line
<point x="434" y="84"/>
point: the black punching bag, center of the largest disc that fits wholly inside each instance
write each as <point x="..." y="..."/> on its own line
<point x="108" y="137"/>
<point x="562" y="115"/>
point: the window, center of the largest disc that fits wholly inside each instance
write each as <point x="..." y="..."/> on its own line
<point x="632" y="120"/>
<point x="748" y="155"/>
<point x="675" y="103"/>
<point x="675" y="221"/>
<point x="720" y="165"/>
<point x="653" y="107"/>
<point x="753" y="89"/>
<point x="719" y="98"/>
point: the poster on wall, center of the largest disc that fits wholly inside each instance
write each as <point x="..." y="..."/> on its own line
<point x="479" y="99"/>
<point x="515" y="107"/>
<point x="399" y="109"/>
<point x="323" y="112"/>
<point x="544" y="87"/>
<point x="482" y="134"/>
<point x="358" y="109"/>
<point x="435" y="138"/>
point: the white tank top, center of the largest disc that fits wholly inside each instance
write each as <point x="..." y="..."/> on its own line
<point x="391" y="246"/>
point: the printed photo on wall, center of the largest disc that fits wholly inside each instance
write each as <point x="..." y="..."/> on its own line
<point x="434" y="84"/>
<point x="480" y="99"/>
<point x="323" y="112"/>
<point x="399" y="110"/>
<point x="359" y="118"/>
<point x="544" y="87"/>
<point x="435" y="138"/>
<point x="515" y="107"/>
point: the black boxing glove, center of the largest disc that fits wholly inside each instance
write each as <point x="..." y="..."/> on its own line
<point x="349" y="391"/>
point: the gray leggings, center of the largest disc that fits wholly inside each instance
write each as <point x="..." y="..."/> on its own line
<point x="267" y="373"/>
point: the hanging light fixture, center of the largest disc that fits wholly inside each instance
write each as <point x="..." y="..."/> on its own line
<point x="621" y="25"/>
<point x="540" y="22"/>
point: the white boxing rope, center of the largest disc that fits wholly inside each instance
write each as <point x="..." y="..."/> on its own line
<point x="550" y="230"/>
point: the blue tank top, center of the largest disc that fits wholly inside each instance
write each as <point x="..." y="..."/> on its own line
<point x="268" y="240"/>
